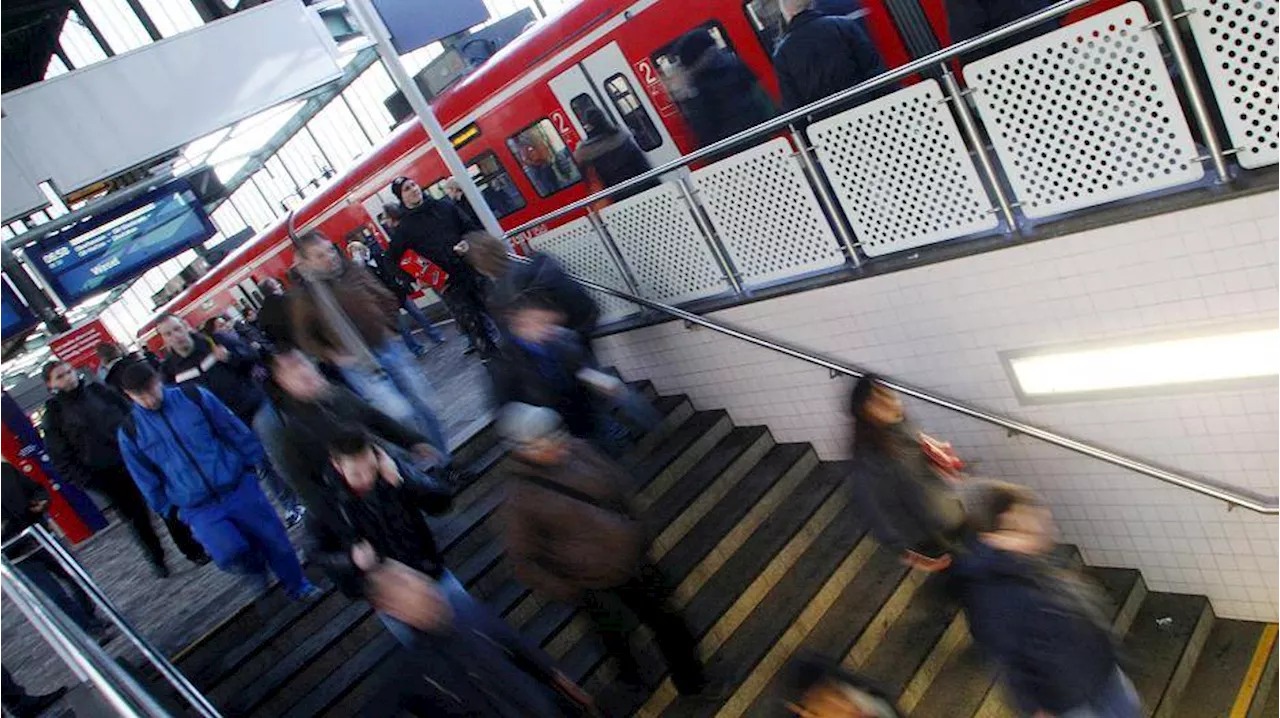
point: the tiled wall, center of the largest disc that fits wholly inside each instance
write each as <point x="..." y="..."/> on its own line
<point x="940" y="327"/>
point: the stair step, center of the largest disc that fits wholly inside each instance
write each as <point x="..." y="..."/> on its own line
<point x="1161" y="647"/>
<point x="1230" y="668"/>
<point x="319" y="673"/>
<point x="346" y="690"/>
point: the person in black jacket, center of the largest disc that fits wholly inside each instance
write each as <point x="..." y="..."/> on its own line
<point x="1038" y="621"/>
<point x="399" y="283"/>
<point x="433" y="228"/>
<point x="724" y="97"/>
<point x="113" y="359"/>
<point x="820" y="55"/>
<point x="229" y="370"/>
<point x="80" y="423"/>
<point x="971" y="18"/>
<point x="609" y="155"/>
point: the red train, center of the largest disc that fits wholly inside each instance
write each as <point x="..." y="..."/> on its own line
<point x="515" y="121"/>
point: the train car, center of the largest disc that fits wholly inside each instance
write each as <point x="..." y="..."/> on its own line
<point x="515" y="121"/>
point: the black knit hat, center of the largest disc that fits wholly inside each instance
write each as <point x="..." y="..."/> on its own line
<point x="397" y="184"/>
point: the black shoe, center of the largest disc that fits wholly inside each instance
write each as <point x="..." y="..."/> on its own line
<point x="31" y="706"/>
<point x="470" y="350"/>
<point x="200" y="560"/>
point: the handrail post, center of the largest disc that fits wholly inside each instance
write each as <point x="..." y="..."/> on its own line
<point x="818" y="181"/>
<point x="721" y="255"/>
<point x="970" y="127"/>
<point x="612" y="250"/>
<point x="1199" y="109"/>
<point x="170" y="672"/>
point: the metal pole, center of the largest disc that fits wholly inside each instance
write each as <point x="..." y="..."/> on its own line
<point x="175" y="677"/>
<point x="377" y="31"/>
<point x="1199" y="109"/>
<point x="612" y="250"/>
<point x="970" y="128"/>
<point x="828" y="202"/>
<point x="68" y="641"/>
<point x="713" y="241"/>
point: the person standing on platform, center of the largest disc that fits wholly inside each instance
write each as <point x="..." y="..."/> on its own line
<point x="80" y="423"/>
<point x="228" y="369"/>
<point x="434" y="229"/>
<point x="113" y="358"/>
<point x="724" y="97"/>
<point x="187" y="451"/>
<point x="609" y="155"/>
<point x="821" y="55"/>
<point x="400" y="284"/>
<point x="454" y="190"/>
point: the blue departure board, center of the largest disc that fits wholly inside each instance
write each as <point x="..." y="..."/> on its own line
<point x="15" y="316"/>
<point x="121" y="243"/>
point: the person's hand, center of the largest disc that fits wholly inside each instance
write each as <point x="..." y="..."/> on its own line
<point x="409" y="596"/>
<point x="38" y="506"/>
<point x="220" y="353"/>
<point x="461" y="247"/>
<point x="364" y="556"/>
<point x="424" y="452"/>
<point x="388" y="469"/>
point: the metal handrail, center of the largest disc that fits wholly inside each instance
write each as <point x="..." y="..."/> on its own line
<point x="780" y="122"/>
<point x="1269" y="505"/>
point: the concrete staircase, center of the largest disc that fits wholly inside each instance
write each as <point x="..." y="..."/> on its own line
<point x="768" y="562"/>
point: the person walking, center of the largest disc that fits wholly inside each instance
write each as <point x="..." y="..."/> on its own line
<point x="187" y="450"/>
<point x="23" y="503"/>
<point x="573" y="534"/>
<point x="434" y="229"/>
<point x="79" y="427"/>
<point x="820" y="55"/>
<point x="112" y="359"/>
<point x="609" y="155"/>
<point x="229" y="370"/>
<point x="723" y="96"/>
<point x="400" y="284"/>
<point x="1040" y="622"/>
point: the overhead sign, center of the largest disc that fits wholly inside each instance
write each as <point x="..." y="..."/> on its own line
<point x="413" y="26"/>
<point x="78" y="347"/>
<point x="103" y="251"/>
<point x="15" y="316"/>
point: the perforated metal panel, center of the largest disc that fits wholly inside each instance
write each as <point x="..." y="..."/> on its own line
<point x="1237" y="40"/>
<point x="766" y="214"/>
<point x="901" y="171"/>
<point x="661" y="243"/>
<point x="578" y="247"/>
<point x="1085" y="114"/>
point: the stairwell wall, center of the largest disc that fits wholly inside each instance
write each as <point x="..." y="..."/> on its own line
<point x="941" y="327"/>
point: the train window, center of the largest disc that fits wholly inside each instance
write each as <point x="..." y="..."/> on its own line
<point x="766" y="19"/>
<point x="628" y="105"/>
<point x="436" y="189"/>
<point x="543" y="156"/>
<point x="581" y="104"/>
<point x="499" y="192"/>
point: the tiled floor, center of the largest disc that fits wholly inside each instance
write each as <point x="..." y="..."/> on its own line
<point x="173" y="612"/>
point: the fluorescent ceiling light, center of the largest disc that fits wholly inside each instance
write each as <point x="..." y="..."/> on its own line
<point x="1240" y="355"/>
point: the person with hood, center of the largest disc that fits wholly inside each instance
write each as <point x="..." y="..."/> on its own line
<point x="821" y="55"/>
<point x="609" y="155"/>
<point x="229" y="369"/>
<point x="344" y="316"/>
<point x="399" y="283"/>
<point x="906" y="502"/>
<point x="79" y="426"/>
<point x="188" y="451"/>
<point x="723" y="96"/>
<point x="573" y="534"/>
<point x="434" y="229"/>
<point x="372" y="538"/>
<point x="1040" y="622"/>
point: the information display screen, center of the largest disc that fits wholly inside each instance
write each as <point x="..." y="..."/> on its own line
<point x="15" y="316"/>
<point x="115" y="246"/>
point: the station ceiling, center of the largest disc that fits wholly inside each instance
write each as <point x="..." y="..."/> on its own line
<point x="28" y="35"/>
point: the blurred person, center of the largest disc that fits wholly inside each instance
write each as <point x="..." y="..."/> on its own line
<point x="573" y="534"/>
<point x="113" y="358"/>
<point x="905" y="500"/>
<point x="434" y="229"/>
<point x="968" y="19"/>
<point x="820" y="55"/>
<point x="609" y="155"/>
<point x="247" y="329"/>
<point x="187" y="450"/>
<point x="453" y="189"/>
<point x="1040" y="622"/>
<point x="219" y="327"/>
<point x="229" y="369"/>
<point x="23" y="503"/>
<point x="343" y="315"/>
<point x="275" y="315"/>
<point x="819" y="688"/>
<point x="372" y="538"/>
<point x="20" y="704"/>
<point x="399" y="283"/>
<point x="724" y="97"/>
<point x="80" y="423"/>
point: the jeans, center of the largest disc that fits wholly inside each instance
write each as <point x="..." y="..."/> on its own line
<point x="270" y="430"/>
<point x="480" y="660"/>
<point x="44" y="572"/>
<point x="402" y="392"/>
<point x="1116" y="699"/>
<point x="415" y="313"/>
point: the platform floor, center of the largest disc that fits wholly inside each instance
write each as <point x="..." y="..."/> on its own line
<point x="173" y="612"/>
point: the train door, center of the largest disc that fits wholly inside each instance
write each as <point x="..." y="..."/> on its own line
<point x="605" y="80"/>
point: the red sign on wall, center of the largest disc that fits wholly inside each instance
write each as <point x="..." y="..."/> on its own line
<point x="77" y="346"/>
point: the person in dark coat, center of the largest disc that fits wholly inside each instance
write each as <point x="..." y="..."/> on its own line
<point x="1039" y="622"/>
<point x="434" y="229"/>
<point x="112" y="360"/>
<point x="573" y="534"/>
<point x="821" y="55"/>
<point x="400" y="284"/>
<point x="971" y="18"/>
<point x="906" y="503"/>
<point x="724" y="97"/>
<point x="542" y="274"/>
<point x="609" y="155"/>
<point x="80" y="423"/>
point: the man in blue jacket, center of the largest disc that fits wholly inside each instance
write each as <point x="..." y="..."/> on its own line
<point x="185" y="449"/>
